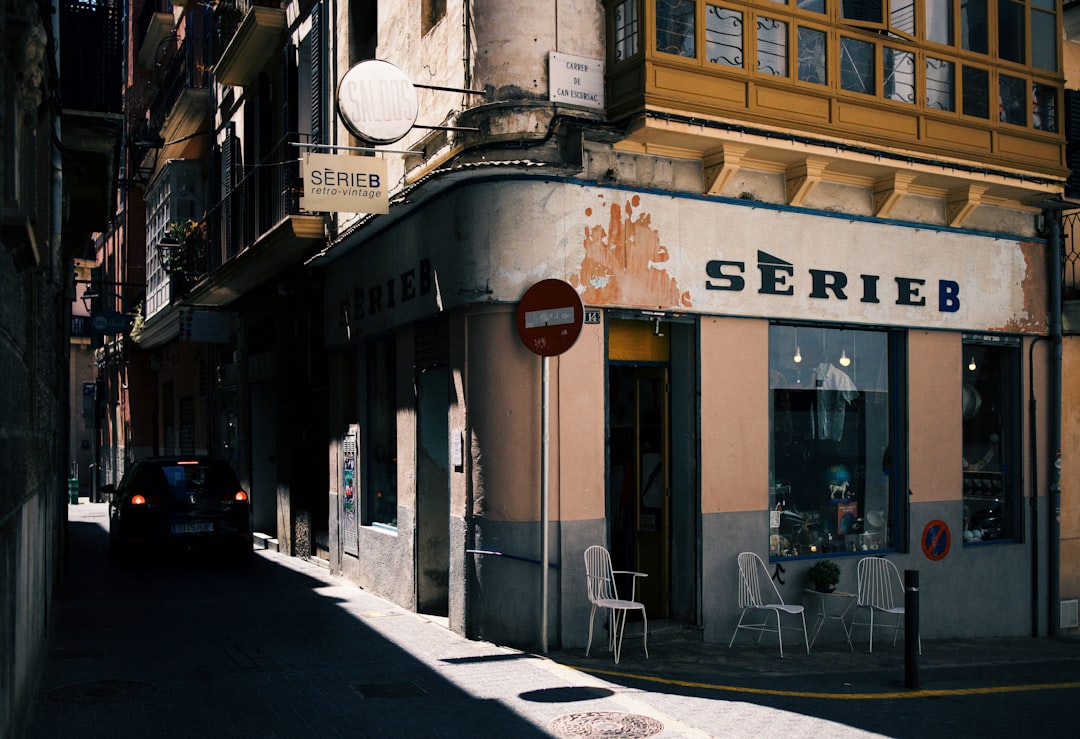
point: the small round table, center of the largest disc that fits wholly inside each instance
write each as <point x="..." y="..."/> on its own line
<point x="833" y="605"/>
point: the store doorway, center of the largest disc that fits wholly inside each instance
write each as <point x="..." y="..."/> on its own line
<point x="433" y="492"/>
<point x="653" y="491"/>
<point x="639" y="490"/>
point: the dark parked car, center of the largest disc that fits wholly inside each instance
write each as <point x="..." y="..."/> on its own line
<point x="169" y="504"/>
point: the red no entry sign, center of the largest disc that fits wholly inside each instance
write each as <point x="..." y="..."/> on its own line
<point x="549" y="317"/>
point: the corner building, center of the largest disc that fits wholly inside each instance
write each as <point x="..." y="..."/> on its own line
<point x="818" y="248"/>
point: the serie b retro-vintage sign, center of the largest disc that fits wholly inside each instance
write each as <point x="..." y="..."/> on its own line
<point x="338" y="183"/>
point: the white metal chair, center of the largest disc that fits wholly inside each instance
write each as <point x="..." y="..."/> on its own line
<point x="881" y="590"/>
<point x="757" y="592"/>
<point x="603" y="593"/>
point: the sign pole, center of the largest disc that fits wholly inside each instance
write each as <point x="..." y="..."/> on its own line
<point x="544" y="456"/>
<point x="549" y="319"/>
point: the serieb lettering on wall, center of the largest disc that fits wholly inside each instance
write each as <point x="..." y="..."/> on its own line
<point x="368" y="301"/>
<point x="778" y="277"/>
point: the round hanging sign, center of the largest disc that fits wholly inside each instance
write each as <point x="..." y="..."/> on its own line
<point x="377" y="101"/>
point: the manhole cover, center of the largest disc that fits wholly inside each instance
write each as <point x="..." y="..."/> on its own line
<point x="605" y="724"/>
<point x="101" y="692"/>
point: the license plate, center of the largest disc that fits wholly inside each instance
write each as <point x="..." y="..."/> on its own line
<point x="198" y="527"/>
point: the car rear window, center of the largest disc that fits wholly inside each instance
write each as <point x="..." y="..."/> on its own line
<point x="180" y="479"/>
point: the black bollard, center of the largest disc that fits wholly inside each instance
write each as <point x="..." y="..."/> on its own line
<point x="911" y="629"/>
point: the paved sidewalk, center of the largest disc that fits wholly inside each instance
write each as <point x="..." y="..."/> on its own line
<point x="283" y="648"/>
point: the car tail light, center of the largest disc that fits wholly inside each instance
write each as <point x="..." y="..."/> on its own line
<point x="138" y="500"/>
<point x="240" y="496"/>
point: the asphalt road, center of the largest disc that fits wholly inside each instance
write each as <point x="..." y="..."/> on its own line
<point x="197" y="647"/>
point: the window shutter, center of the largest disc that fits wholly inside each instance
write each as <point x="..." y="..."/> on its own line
<point x="1072" y="142"/>
<point x="290" y="92"/>
<point x="318" y="74"/>
<point x="229" y="177"/>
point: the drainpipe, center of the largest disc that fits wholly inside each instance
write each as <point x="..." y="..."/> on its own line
<point x="1054" y="251"/>
<point x="1033" y="431"/>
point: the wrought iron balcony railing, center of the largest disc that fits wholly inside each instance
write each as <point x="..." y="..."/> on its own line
<point x="265" y="194"/>
<point x="185" y="69"/>
<point x="228" y="15"/>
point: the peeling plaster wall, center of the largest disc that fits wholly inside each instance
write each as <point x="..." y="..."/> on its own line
<point x="472" y="253"/>
<point x="649" y="250"/>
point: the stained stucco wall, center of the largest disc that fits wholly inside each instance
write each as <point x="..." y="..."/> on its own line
<point x="1070" y="470"/>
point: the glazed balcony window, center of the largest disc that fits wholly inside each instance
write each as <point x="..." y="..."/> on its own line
<point x="676" y="21"/>
<point x="626" y="30"/>
<point x="948" y="59"/>
<point x="940" y="86"/>
<point x="898" y="72"/>
<point x="772" y="46"/>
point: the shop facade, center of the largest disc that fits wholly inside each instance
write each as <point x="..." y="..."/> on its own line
<point x="799" y="382"/>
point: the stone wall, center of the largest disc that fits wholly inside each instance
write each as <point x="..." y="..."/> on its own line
<point x="33" y="366"/>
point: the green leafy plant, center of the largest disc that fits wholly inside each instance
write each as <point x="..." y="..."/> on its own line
<point x="186" y="250"/>
<point x="825" y="574"/>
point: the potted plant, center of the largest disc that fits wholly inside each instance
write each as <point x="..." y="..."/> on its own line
<point x="825" y="574"/>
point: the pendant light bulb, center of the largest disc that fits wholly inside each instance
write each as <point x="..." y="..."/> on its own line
<point x="845" y="360"/>
<point x="971" y="364"/>
<point x="798" y="355"/>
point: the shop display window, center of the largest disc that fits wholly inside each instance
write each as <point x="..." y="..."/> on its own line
<point x="832" y="483"/>
<point x="990" y="398"/>
<point x="381" y="497"/>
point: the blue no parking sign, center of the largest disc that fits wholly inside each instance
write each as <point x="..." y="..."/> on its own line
<point x="936" y="540"/>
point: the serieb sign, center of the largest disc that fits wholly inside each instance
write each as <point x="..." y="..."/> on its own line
<point x="338" y="183"/>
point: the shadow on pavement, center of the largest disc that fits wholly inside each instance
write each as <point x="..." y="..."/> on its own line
<point x="188" y="646"/>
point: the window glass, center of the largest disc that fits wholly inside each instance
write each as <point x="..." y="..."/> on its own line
<point x="813" y="6"/>
<point x="974" y="28"/>
<point x="1012" y="100"/>
<point x="812" y="56"/>
<point x="989" y="402"/>
<point x="1011" y="31"/>
<point x="869" y="11"/>
<point x="381" y="495"/>
<point x="939" y="21"/>
<point x="939" y="84"/>
<point x="902" y="16"/>
<point x="1043" y="40"/>
<point x="723" y="36"/>
<point x="1044" y="107"/>
<point x="898" y="74"/>
<point x="856" y="65"/>
<point x="626" y="30"/>
<point x="831" y="472"/>
<point x="772" y="47"/>
<point x="976" y="92"/>
<point x="675" y="27"/>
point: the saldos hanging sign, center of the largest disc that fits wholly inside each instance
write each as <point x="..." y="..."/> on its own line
<point x="378" y="104"/>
